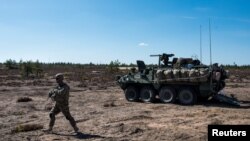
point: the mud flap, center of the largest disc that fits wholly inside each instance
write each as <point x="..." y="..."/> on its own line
<point x="226" y="99"/>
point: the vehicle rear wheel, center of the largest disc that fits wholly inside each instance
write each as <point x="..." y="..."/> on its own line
<point x="147" y="94"/>
<point x="131" y="94"/>
<point x="187" y="96"/>
<point x="167" y="95"/>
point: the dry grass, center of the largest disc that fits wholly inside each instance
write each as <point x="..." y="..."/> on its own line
<point x="26" y="128"/>
<point x="24" y="99"/>
<point x="216" y="121"/>
<point x="106" y="115"/>
<point x="109" y="104"/>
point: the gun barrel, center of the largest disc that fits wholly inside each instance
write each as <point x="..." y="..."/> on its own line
<point x="170" y="55"/>
<point x="157" y="55"/>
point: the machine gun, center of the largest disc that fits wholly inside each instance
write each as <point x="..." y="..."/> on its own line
<point x="163" y="57"/>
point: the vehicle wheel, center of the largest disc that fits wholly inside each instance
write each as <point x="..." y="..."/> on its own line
<point x="167" y="95"/>
<point x="187" y="97"/>
<point x="147" y="94"/>
<point x="131" y="94"/>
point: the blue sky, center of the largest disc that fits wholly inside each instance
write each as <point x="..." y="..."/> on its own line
<point x="99" y="31"/>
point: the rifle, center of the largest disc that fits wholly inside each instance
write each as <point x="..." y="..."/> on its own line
<point x="51" y="92"/>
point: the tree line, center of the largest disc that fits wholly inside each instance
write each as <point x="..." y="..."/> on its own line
<point x="37" y="66"/>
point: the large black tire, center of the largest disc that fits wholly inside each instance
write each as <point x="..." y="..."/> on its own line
<point x="131" y="94"/>
<point x="147" y="94"/>
<point x="187" y="96"/>
<point x="167" y="95"/>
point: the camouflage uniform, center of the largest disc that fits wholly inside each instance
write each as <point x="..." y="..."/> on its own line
<point x="60" y="95"/>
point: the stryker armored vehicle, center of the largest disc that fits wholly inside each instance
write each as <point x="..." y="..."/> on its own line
<point x="185" y="80"/>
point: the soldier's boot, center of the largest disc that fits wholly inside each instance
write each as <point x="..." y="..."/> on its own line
<point x="49" y="130"/>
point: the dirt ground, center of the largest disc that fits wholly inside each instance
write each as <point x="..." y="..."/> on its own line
<point x="102" y="113"/>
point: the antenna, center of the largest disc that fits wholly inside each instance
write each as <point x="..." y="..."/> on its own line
<point x="210" y="42"/>
<point x="211" y="81"/>
<point x="200" y="45"/>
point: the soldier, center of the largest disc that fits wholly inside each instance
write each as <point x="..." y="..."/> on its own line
<point x="60" y="94"/>
<point x="165" y="59"/>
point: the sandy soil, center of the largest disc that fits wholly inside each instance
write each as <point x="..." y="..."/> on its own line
<point x="102" y="113"/>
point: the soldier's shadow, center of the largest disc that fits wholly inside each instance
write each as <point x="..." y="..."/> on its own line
<point x="214" y="103"/>
<point x="79" y="135"/>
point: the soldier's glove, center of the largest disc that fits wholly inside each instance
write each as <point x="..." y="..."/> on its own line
<point x="51" y="94"/>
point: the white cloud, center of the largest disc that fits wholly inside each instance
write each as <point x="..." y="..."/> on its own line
<point x="143" y="44"/>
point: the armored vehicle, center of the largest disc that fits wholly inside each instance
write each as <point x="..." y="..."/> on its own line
<point x="185" y="80"/>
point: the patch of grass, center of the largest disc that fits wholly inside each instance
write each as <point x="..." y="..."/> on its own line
<point x="102" y="87"/>
<point x="190" y="115"/>
<point x="26" y="128"/>
<point x="19" y="113"/>
<point x="136" y="131"/>
<point x="24" y="99"/>
<point x="110" y="104"/>
<point x="82" y="84"/>
<point x="234" y="86"/>
<point x="212" y="115"/>
<point x="4" y="90"/>
<point x="34" y="116"/>
<point x="216" y="121"/>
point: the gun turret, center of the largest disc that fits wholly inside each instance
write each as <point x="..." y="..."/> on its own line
<point x="163" y="57"/>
